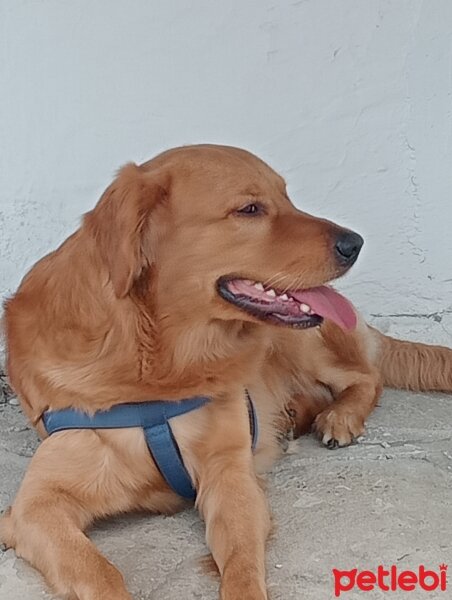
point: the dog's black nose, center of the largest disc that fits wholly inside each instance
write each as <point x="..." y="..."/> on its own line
<point x="348" y="246"/>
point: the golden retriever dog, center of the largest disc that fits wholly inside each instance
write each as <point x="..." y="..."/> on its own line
<point x="193" y="276"/>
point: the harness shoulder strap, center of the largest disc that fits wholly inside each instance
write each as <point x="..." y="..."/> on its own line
<point x="152" y="417"/>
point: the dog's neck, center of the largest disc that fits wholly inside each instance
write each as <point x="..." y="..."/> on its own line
<point x="176" y="348"/>
<point x="197" y="352"/>
<point x="209" y="343"/>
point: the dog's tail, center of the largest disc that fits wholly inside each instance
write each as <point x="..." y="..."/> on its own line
<point x="413" y="366"/>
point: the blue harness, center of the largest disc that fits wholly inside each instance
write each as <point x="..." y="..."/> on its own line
<point x="153" y="418"/>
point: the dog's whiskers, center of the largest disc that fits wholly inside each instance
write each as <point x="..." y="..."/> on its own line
<point x="275" y="280"/>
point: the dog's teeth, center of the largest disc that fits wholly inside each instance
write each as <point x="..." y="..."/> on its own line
<point x="259" y="287"/>
<point x="283" y="297"/>
<point x="271" y="292"/>
<point x="305" y="308"/>
<point x="248" y="282"/>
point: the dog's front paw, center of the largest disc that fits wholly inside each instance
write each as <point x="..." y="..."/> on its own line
<point x="338" y="427"/>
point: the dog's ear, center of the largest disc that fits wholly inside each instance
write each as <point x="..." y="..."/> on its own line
<point x="120" y="220"/>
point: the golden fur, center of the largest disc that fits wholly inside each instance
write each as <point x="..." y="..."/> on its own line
<point x="127" y="310"/>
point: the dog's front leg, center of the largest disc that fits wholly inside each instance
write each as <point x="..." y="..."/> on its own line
<point x="236" y="512"/>
<point x="237" y="525"/>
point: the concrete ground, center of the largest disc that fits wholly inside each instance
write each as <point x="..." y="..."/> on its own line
<point x="386" y="500"/>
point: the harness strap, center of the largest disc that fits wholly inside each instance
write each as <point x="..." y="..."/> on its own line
<point x="165" y="452"/>
<point x="153" y="418"/>
<point x="254" y="424"/>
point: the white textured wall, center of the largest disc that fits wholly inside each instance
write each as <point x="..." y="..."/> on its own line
<point x="349" y="99"/>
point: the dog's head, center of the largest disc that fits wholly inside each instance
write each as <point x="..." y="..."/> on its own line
<point x="210" y="232"/>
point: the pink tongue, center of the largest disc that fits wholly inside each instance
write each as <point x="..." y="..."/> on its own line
<point x="328" y="303"/>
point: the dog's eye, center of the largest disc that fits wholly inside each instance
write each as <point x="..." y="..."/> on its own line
<point x="250" y="209"/>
